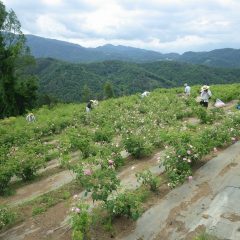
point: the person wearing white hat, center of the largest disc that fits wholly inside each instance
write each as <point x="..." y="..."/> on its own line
<point x="89" y="106"/>
<point x="187" y="89"/>
<point x="205" y="95"/>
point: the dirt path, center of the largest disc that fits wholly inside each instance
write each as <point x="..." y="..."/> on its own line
<point x="210" y="201"/>
<point x="36" y="189"/>
<point x="54" y="223"/>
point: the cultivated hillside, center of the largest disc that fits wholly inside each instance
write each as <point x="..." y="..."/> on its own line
<point x="105" y="168"/>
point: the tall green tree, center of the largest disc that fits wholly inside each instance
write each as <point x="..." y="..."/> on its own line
<point x="17" y="88"/>
<point x="108" y="90"/>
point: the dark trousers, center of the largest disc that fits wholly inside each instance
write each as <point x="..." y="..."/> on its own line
<point x="204" y="104"/>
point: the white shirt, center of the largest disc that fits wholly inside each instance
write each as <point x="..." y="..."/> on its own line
<point x="205" y="95"/>
<point x="187" y="90"/>
<point x="145" y="94"/>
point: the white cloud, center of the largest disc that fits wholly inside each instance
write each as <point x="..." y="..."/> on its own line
<point x="52" y="2"/>
<point x="163" y="25"/>
<point x="51" y="27"/>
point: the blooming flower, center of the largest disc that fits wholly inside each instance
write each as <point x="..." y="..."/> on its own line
<point x="190" y="178"/>
<point x="110" y="162"/>
<point x="233" y="139"/>
<point x="87" y="172"/>
<point x="77" y="210"/>
<point x="75" y="196"/>
<point x="188" y="152"/>
<point x="215" y="149"/>
<point x="184" y="159"/>
<point x="73" y="209"/>
<point x="189" y="160"/>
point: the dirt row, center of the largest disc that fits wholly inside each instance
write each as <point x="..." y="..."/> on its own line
<point x="210" y="202"/>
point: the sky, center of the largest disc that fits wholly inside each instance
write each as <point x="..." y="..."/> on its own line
<point x="160" y="25"/>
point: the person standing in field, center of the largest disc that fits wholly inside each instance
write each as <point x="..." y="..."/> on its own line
<point x="205" y="95"/>
<point x="187" y="89"/>
<point x="89" y="106"/>
<point x="30" y="117"/>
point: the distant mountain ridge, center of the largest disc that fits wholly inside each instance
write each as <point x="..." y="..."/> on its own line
<point x="65" y="51"/>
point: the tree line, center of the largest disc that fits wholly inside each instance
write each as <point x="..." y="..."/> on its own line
<point x="18" y="89"/>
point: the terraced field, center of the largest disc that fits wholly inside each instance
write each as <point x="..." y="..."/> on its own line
<point x="128" y="153"/>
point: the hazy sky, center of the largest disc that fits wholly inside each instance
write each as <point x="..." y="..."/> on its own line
<point x="160" y="25"/>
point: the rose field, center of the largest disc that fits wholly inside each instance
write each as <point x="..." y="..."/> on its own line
<point x="102" y="174"/>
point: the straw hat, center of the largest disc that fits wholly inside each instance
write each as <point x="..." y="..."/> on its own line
<point x="205" y="87"/>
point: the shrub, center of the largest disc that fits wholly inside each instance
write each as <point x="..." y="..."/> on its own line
<point x="6" y="173"/>
<point x="148" y="179"/>
<point x="28" y="163"/>
<point x="81" y="221"/>
<point x="118" y="160"/>
<point x="7" y="217"/>
<point x="100" y="182"/>
<point x="137" y="146"/>
<point x="124" y="204"/>
<point x="103" y="135"/>
<point x="176" y="169"/>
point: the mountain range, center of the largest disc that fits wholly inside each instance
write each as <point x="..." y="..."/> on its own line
<point x="65" y="51"/>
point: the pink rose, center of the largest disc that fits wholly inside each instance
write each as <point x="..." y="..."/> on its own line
<point x="190" y="178"/>
<point x="110" y="162"/>
<point x="87" y="172"/>
<point x="77" y="210"/>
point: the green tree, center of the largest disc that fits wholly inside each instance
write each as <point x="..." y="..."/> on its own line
<point x="108" y="90"/>
<point x="17" y="87"/>
<point x="86" y="93"/>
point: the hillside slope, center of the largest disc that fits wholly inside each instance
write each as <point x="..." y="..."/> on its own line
<point x="66" y="80"/>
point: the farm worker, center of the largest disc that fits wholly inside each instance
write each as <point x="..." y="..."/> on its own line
<point x="205" y="95"/>
<point x="30" y="117"/>
<point x="89" y="106"/>
<point x="187" y="89"/>
<point x="145" y="94"/>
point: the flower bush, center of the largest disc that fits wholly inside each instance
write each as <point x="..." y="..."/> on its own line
<point x="124" y="204"/>
<point x="137" y="146"/>
<point x="148" y="179"/>
<point x="81" y="220"/>
<point x="100" y="181"/>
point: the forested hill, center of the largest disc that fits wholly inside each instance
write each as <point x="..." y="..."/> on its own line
<point x="65" y="51"/>
<point x="66" y="81"/>
<point x="226" y="57"/>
